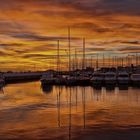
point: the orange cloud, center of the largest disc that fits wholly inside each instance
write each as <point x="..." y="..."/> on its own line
<point x="29" y="30"/>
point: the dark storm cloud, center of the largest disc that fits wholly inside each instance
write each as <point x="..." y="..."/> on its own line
<point x="103" y="7"/>
<point x="99" y="7"/>
<point x="36" y="37"/>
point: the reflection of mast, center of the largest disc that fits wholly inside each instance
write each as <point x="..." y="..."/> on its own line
<point x="58" y="106"/>
<point x="76" y="97"/>
<point x="1" y="89"/>
<point x="83" y="100"/>
<point x="70" y="115"/>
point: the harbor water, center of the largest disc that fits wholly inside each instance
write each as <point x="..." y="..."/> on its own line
<point x="28" y="111"/>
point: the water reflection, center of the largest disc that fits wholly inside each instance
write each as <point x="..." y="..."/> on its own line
<point x="59" y="106"/>
<point x="68" y="112"/>
<point x="47" y="89"/>
<point x="123" y="87"/>
<point x="1" y="91"/>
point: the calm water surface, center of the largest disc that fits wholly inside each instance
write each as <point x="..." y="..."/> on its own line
<point x="29" y="112"/>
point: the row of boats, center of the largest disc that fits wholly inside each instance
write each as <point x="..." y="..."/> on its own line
<point x="95" y="79"/>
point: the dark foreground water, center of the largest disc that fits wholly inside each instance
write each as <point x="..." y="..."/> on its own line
<point x="61" y="113"/>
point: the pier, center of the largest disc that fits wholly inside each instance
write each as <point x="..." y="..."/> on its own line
<point x="13" y="77"/>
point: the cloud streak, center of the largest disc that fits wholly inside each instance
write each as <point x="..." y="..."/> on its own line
<point x="29" y="30"/>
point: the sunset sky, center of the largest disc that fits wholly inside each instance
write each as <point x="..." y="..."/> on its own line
<point x="29" y="30"/>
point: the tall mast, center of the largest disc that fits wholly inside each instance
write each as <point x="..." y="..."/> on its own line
<point x="58" y="57"/>
<point x="136" y="59"/>
<point x="69" y="39"/>
<point x="97" y="64"/>
<point x="103" y="60"/>
<point x="91" y="62"/>
<point x="83" y="64"/>
<point x="122" y="62"/>
<point x="76" y="64"/>
<point x="109" y="62"/>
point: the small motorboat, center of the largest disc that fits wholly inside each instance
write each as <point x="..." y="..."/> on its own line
<point x="123" y="78"/>
<point x="97" y="79"/>
<point x="135" y="79"/>
<point x="110" y="79"/>
<point x="47" y="79"/>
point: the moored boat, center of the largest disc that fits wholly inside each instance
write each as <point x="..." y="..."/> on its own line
<point x="123" y="78"/>
<point x="97" y="79"/>
<point x="47" y="79"/>
<point x="135" y="79"/>
<point x="71" y="81"/>
<point x="110" y="79"/>
<point x="60" y="80"/>
<point x="83" y="81"/>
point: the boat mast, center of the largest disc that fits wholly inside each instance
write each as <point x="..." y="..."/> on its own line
<point x="69" y="39"/>
<point x="83" y="64"/>
<point x="76" y="64"/>
<point x="58" y="57"/>
<point x="136" y="59"/>
<point x="97" y="65"/>
<point x="103" y="60"/>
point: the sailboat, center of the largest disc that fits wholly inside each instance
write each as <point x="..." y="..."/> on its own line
<point x="97" y="79"/>
<point x="110" y="79"/>
<point x="83" y="79"/>
<point x="59" y="79"/>
<point x="47" y="79"/>
<point x="70" y="79"/>
<point x="135" y="79"/>
<point x="123" y="78"/>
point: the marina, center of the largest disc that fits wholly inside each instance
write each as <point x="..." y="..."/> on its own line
<point x="87" y="77"/>
<point x="71" y="113"/>
<point x="69" y="70"/>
